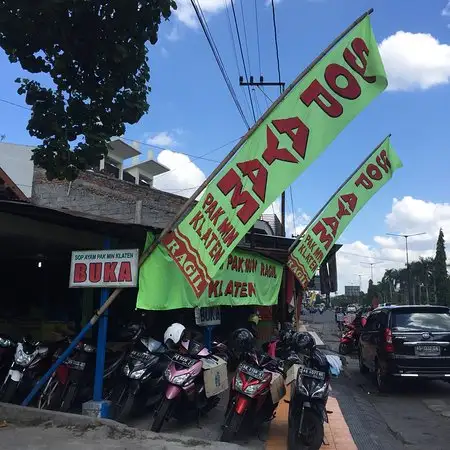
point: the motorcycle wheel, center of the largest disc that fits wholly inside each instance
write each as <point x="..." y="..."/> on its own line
<point x="344" y="349"/>
<point x="68" y="397"/>
<point x="123" y="409"/>
<point x="9" y="391"/>
<point x="232" y="427"/>
<point x="311" y="435"/>
<point x="160" y="416"/>
<point x="51" y="395"/>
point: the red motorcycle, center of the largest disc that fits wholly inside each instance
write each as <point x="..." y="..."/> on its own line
<point x="250" y="394"/>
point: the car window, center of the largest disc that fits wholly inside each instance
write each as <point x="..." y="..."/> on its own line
<point x="421" y="320"/>
<point x="371" y="323"/>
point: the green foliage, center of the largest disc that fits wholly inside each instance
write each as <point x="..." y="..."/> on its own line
<point x="94" y="52"/>
<point x="440" y="271"/>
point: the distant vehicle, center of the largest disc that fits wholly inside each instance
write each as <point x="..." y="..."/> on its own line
<point x="406" y="341"/>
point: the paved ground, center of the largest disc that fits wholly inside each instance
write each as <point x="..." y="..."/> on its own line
<point x="415" y="416"/>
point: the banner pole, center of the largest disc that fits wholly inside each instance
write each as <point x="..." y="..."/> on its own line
<point x="297" y="239"/>
<point x="147" y="252"/>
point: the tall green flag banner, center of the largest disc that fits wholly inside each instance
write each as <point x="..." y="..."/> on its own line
<point x="293" y="132"/>
<point x="326" y="227"/>
<point x="245" y="278"/>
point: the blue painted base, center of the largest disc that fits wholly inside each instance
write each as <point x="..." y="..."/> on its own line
<point x="99" y="409"/>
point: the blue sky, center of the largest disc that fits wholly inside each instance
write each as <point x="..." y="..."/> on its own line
<point x="191" y="111"/>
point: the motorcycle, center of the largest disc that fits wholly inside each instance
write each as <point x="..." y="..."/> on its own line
<point x="29" y="363"/>
<point x="307" y="405"/>
<point x="141" y="383"/>
<point x="72" y="382"/>
<point x="348" y="341"/>
<point x="250" y="394"/>
<point x="185" y="391"/>
<point x="7" y="350"/>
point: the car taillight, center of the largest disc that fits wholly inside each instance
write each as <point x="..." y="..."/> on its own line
<point x="389" y="347"/>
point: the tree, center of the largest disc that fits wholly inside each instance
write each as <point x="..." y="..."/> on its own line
<point x="440" y="271"/>
<point x="95" y="54"/>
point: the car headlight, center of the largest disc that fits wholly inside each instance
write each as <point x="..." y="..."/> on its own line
<point x="5" y="342"/>
<point x="179" y="380"/>
<point x="22" y="358"/>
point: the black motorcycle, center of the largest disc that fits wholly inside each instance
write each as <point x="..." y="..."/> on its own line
<point x="7" y="350"/>
<point x="307" y="405"/>
<point x="141" y="382"/>
<point x="31" y="360"/>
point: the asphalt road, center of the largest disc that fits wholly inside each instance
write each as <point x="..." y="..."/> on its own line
<point x="416" y="415"/>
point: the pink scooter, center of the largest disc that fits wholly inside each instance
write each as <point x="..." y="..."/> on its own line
<point x="185" y="391"/>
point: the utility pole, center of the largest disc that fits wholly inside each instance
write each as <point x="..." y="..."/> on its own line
<point x="371" y="267"/>
<point x="261" y="83"/>
<point x="408" y="268"/>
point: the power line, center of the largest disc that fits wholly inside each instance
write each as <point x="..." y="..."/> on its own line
<point x="245" y="36"/>
<point x="276" y="43"/>
<point x="265" y="95"/>
<point x="242" y="56"/>
<point x="203" y="23"/>
<point x="14" y="104"/>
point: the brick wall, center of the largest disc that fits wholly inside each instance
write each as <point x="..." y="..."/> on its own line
<point x="99" y="194"/>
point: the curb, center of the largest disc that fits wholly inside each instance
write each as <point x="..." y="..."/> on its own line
<point x="28" y="416"/>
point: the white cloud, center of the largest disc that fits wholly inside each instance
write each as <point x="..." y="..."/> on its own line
<point x="184" y="177"/>
<point x="295" y="223"/>
<point x="415" y="61"/>
<point x="174" y="34"/>
<point x="185" y="12"/>
<point x="162" y="139"/>
<point x="164" y="52"/>
<point x="446" y="10"/>
<point x="408" y="216"/>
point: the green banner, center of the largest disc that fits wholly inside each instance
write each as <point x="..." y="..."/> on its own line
<point x="324" y="230"/>
<point x="244" y="279"/>
<point x="289" y="137"/>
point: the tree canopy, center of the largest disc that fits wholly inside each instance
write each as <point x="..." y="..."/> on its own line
<point x="94" y="58"/>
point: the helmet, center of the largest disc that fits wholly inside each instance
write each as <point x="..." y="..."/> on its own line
<point x="174" y="334"/>
<point x="303" y="342"/>
<point x="254" y="318"/>
<point x="243" y="340"/>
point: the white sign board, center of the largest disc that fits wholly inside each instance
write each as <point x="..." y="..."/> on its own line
<point x="206" y="317"/>
<point x="104" y="268"/>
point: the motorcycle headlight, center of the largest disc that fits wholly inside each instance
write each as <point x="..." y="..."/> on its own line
<point x="5" y="342"/>
<point x="252" y="389"/>
<point x="22" y="358"/>
<point x="320" y="390"/>
<point x="179" y="380"/>
<point x="135" y="375"/>
<point x="88" y="348"/>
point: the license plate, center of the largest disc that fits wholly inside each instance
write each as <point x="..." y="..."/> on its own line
<point x="141" y="356"/>
<point x="77" y="365"/>
<point x="184" y="361"/>
<point x="252" y="371"/>
<point x="428" y="350"/>
<point x="317" y="374"/>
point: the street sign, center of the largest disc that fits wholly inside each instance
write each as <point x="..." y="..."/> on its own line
<point x="206" y="317"/>
<point x="104" y="268"/>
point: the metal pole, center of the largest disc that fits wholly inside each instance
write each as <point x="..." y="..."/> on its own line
<point x="408" y="271"/>
<point x="294" y="244"/>
<point x="101" y="341"/>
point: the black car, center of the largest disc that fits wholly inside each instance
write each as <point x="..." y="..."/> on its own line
<point x="406" y="341"/>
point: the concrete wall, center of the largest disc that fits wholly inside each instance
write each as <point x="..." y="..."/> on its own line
<point x="15" y="160"/>
<point x="98" y="194"/>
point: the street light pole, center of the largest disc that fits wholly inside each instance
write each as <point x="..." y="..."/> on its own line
<point x="408" y="268"/>
<point x="371" y="267"/>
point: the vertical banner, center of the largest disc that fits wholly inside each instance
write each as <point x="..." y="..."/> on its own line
<point x="298" y="127"/>
<point x="324" y="230"/>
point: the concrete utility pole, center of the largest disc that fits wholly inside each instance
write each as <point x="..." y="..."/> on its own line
<point x="408" y="268"/>
<point x="371" y="267"/>
<point x="261" y="83"/>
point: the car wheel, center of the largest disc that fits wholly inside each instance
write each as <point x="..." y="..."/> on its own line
<point x="382" y="379"/>
<point x="362" y="368"/>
